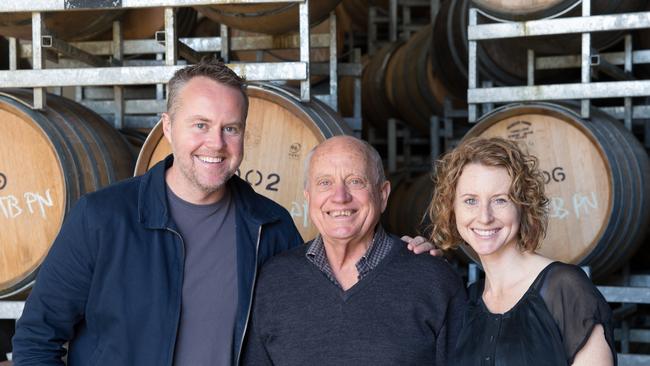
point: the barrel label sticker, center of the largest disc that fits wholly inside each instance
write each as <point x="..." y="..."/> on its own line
<point x="519" y="130"/>
<point x="580" y="204"/>
<point x="257" y="178"/>
<point x="92" y="4"/>
<point x="3" y="181"/>
<point x="33" y="203"/>
<point x="294" y="150"/>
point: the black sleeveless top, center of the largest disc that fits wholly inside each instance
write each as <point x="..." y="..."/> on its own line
<point x="548" y="326"/>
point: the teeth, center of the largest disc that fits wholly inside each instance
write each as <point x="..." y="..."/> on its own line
<point x="485" y="232"/>
<point x="341" y="213"/>
<point x="209" y="159"/>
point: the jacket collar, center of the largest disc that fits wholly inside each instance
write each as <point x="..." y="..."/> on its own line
<point x="153" y="209"/>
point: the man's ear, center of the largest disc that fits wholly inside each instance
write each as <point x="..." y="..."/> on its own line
<point x="167" y="126"/>
<point x="384" y="193"/>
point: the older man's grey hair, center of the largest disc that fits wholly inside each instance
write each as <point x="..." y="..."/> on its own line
<point x="374" y="160"/>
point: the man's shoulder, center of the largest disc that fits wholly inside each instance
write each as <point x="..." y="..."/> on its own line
<point x="291" y="258"/>
<point x="424" y="267"/>
<point x="115" y="193"/>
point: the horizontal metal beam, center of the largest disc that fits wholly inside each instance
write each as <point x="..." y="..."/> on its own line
<point x="344" y="69"/>
<point x="547" y="27"/>
<point x="636" y="295"/>
<point x="633" y="360"/>
<point x="638" y="112"/>
<point x="636" y="335"/>
<point x="11" y="309"/>
<point x="573" y="61"/>
<point x="199" y="44"/>
<point x="609" y="89"/>
<point x="59" y="5"/>
<point x="134" y="75"/>
<point x="142" y="106"/>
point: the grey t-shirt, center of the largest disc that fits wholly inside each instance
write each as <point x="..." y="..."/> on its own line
<point x="209" y="303"/>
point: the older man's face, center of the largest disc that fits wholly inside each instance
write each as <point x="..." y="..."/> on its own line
<point x="345" y="203"/>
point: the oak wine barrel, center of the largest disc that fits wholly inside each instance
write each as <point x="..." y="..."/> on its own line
<point x="280" y="131"/>
<point x="540" y="9"/>
<point x="414" y="87"/>
<point x="597" y="179"/>
<point x="266" y="18"/>
<point x="281" y="53"/>
<point x="406" y="211"/>
<point x="376" y="106"/>
<point x="48" y="160"/>
<point x="66" y="25"/>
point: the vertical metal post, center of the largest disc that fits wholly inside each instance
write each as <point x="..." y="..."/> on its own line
<point x="392" y="145"/>
<point x="434" y="139"/>
<point x="392" y="24"/>
<point x="433" y="8"/>
<point x="372" y="29"/>
<point x="356" y="58"/>
<point x="305" y="86"/>
<point x="13" y="53"/>
<point x="472" y="76"/>
<point x="487" y="107"/>
<point x="531" y="68"/>
<point x="171" y="50"/>
<point x="38" y="61"/>
<point x="160" y="88"/>
<point x="406" y="21"/>
<point x="586" y="59"/>
<point x="628" y="70"/>
<point x="334" y="101"/>
<point x="225" y="43"/>
<point x="78" y="93"/>
<point x="118" y="90"/>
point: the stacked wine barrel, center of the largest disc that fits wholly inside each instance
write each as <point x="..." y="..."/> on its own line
<point x="49" y="159"/>
<point x="597" y="178"/>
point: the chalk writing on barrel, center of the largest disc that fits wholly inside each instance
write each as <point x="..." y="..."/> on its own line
<point x="580" y="204"/>
<point x="300" y="210"/>
<point x="33" y="203"/>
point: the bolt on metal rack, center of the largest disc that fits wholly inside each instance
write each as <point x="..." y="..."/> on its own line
<point x="633" y="289"/>
<point x="39" y="77"/>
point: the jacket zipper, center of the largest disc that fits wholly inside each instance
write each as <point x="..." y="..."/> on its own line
<point x="250" y="301"/>
<point x="180" y="298"/>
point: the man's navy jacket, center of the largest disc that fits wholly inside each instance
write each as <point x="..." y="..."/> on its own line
<point x="112" y="281"/>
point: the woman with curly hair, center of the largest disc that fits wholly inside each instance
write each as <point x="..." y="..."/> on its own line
<point x="529" y="310"/>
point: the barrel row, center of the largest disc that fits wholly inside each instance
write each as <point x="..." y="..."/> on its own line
<point x="412" y="79"/>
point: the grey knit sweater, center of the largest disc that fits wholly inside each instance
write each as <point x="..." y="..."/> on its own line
<point x="407" y="311"/>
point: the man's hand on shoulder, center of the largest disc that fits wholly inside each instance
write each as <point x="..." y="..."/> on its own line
<point x="419" y="245"/>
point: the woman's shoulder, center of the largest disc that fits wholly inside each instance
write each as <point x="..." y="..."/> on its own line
<point x="559" y="276"/>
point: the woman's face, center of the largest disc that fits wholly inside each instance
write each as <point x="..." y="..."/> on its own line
<point x="486" y="218"/>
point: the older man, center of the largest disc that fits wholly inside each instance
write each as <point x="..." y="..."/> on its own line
<point x="354" y="295"/>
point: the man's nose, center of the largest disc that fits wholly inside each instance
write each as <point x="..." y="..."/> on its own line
<point x="341" y="192"/>
<point x="215" y="140"/>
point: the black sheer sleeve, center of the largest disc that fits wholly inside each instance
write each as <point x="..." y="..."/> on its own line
<point x="577" y="307"/>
